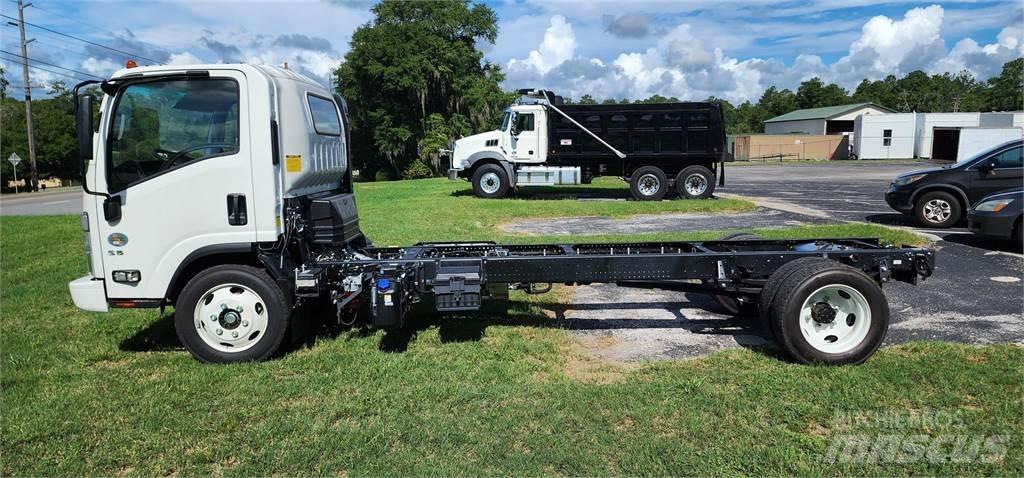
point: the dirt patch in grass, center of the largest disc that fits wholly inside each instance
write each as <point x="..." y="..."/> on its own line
<point x="580" y="364"/>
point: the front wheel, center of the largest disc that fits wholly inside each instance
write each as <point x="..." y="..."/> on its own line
<point x="490" y="182"/>
<point x="695" y="182"/>
<point x="937" y="209"/>
<point x="231" y="313"/>
<point x="829" y="313"/>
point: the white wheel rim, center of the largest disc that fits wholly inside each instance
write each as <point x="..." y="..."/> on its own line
<point x="937" y="210"/>
<point x="490" y="183"/>
<point x="695" y="184"/>
<point x="849" y="326"/>
<point x="648" y="184"/>
<point x="231" y="318"/>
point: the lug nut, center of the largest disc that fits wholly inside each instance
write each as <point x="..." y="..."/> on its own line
<point x="223" y="306"/>
<point x="220" y="332"/>
<point x="234" y="334"/>
<point x="238" y="309"/>
<point x="213" y="317"/>
<point x="245" y="323"/>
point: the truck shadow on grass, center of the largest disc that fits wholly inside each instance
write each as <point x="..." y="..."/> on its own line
<point x="552" y="193"/>
<point x="159" y="336"/>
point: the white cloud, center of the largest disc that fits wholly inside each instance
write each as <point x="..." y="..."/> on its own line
<point x="558" y="46"/>
<point x="183" y="58"/>
<point x="682" y="64"/>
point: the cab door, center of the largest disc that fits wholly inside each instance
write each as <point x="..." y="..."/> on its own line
<point x="525" y="140"/>
<point x="176" y="156"/>
<point x="1000" y="171"/>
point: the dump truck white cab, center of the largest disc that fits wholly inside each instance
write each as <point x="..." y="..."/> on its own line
<point x="225" y="191"/>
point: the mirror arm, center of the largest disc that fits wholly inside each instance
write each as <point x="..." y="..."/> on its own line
<point x="82" y="155"/>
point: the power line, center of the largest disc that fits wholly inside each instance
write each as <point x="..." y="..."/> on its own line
<point x="66" y="75"/>
<point x="133" y="55"/>
<point x="55" y="66"/>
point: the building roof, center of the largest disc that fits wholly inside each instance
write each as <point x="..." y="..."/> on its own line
<point x="823" y="113"/>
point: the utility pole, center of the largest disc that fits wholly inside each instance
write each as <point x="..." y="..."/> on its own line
<point x="33" y="184"/>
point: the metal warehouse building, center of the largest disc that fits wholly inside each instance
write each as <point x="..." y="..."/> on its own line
<point x="828" y="120"/>
<point x="950" y="136"/>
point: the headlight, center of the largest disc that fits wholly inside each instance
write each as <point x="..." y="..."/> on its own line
<point x="905" y="180"/>
<point x="994" y="205"/>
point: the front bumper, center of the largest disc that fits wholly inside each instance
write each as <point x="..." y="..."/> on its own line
<point x="994" y="225"/>
<point x="89" y="294"/>
<point x="899" y="199"/>
<point x="453" y="174"/>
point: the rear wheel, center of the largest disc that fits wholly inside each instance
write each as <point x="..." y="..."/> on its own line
<point x="231" y="313"/>
<point x="937" y="209"/>
<point x="695" y="182"/>
<point x="648" y="183"/>
<point x="490" y="182"/>
<point x="831" y="314"/>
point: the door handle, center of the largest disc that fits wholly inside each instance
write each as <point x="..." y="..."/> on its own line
<point x="236" y="210"/>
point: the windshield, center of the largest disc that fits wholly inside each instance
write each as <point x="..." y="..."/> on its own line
<point x="160" y="125"/>
<point x="505" y="120"/>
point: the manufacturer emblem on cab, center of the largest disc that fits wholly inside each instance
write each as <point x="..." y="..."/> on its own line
<point x="117" y="239"/>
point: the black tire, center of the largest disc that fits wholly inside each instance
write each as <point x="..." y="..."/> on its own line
<point x="484" y="179"/>
<point x="925" y="213"/>
<point x="261" y="343"/>
<point x="696" y="174"/>
<point x="648" y="178"/>
<point x="745" y="306"/>
<point x="800" y="287"/>
<point x="771" y="288"/>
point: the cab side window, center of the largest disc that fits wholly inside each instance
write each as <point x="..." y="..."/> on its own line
<point x="1011" y="158"/>
<point x="162" y="125"/>
<point x="524" y="122"/>
<point x="325" y="116"/>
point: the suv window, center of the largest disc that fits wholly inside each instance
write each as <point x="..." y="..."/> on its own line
<point x="325" y="116"/>
<point x="1010" y="158"/>
<point x="162" y="125"/>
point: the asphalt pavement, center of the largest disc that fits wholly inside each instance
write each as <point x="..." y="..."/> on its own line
<point x="63" y="201"/>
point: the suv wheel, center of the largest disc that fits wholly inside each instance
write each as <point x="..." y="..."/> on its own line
<point x="938" y="209"/>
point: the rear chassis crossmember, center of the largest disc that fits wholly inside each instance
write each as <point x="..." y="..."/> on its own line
<point x="462" y="275"/>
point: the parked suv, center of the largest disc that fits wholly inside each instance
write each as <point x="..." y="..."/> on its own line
<point x="940" y="197"/>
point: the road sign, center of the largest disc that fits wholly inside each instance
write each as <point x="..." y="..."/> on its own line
<point x="15" y="159"/>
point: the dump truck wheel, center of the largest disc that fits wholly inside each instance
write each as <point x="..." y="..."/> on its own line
<point x="695" y="182"/>
<point x="831" y="314"/>
<point x="490" y="182"/>
<point x="648" y="183"/>
<point x="231" y="313"/>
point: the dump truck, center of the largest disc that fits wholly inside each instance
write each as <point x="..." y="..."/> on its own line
<point x="225" y="192"/>
<point x="659" y="149"/>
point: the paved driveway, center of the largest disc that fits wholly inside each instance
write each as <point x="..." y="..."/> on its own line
<point x="975" y="295"/>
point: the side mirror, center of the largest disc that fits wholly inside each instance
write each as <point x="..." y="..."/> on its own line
<point x="112" y="208"/>
<point x="986" y="168"/>
<point x="84" y="127"/>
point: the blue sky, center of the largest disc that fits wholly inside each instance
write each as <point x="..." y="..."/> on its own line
<point x="689" y="49"/>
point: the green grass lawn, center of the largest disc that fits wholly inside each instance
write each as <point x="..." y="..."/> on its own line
<point x="491" y="394"/>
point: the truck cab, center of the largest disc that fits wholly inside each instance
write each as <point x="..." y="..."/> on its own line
<point x="190" y="166"/>
<point x="543" y="142"/>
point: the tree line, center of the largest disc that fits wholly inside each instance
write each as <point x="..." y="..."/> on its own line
<point x="415" y="79"/>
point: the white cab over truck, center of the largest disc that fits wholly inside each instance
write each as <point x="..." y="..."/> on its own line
<point x="224" y="191"/>
<point x="657" y="148"/>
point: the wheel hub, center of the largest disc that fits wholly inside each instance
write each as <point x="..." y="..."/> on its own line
<point x="823" y="313"/>
<point x="229" y="319"/>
